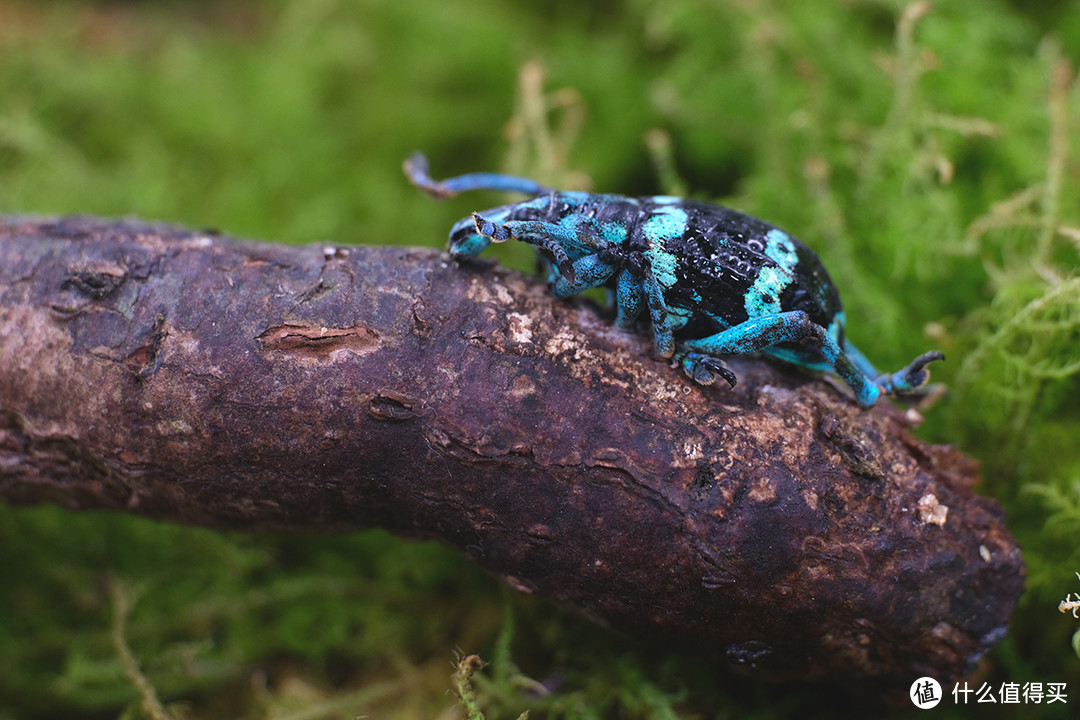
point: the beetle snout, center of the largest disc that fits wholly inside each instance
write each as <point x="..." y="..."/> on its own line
<point x="465" y="242"/>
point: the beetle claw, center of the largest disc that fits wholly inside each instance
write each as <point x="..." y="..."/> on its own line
<point x="915" y="375"/>
<point x="703" y="369"/>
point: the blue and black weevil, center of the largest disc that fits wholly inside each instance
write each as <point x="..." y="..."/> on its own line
<point x="714" y="281"/>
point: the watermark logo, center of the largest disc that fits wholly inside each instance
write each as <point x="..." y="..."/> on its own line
<point x="925" y="693"/>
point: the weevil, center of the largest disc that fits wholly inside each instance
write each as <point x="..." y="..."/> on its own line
<point x="712" y="281"/>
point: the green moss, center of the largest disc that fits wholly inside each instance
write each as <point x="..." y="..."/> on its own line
<point x="927" y="156"/>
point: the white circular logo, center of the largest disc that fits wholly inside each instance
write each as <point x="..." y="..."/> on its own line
<point x="925" y="693"/>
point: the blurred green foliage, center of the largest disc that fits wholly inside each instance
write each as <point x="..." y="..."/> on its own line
<point x="926" y="152"/>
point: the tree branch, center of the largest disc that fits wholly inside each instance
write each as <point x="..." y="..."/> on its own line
<point x="198" y="379"/>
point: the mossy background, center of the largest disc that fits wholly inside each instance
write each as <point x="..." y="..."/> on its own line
<point x="927" y="152"/>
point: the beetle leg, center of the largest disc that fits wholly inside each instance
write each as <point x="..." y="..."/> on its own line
<point x="416" y="169"/>
<point x="629" y="297"/>
<point x="865" y="366"/>
<point x="587" y="272"/>
<point x="663" y="322"/>
<point x="580" y="236"/>
<point x="542" y="235"/>
<point x="761" y="333"/>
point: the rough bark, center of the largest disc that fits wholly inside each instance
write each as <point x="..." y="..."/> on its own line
<point x="198" y="379"/>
